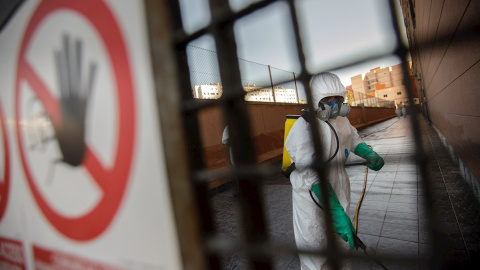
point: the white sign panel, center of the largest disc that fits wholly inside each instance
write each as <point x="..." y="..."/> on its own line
<point x="80" y="136"/>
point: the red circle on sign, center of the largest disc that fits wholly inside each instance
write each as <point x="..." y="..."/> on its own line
<point x="4" y="187"/>
<point x="112" y="181"/>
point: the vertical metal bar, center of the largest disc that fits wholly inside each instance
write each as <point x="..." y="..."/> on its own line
<point x="195" y="153"/>
<point x="331" y="245"/>
<point x="296" y="89"/>
<point x="241" y="139"/>
<point x="166" y="76"/>
<point x="191" y="141"/>
<point x="420" y="157"/>
<point x="423" y="97"/>
<point x="271" y="83"/>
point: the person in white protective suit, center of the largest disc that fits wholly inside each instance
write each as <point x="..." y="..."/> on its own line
<point x="226" y="142"/>
<point x="309" y="219"/>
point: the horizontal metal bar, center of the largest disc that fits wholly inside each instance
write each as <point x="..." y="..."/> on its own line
<point x="355" y="164"/>
<point x="219" y="244"/>
<point x="256" y="170"/>
<point x="225" y="16"/>
<point x="198" y="104"/>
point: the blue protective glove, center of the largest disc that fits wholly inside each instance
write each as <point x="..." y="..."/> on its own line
<point x="375" y="162"/>
<point x="341" y="222"/>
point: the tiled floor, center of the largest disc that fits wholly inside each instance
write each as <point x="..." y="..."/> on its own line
<point x="388" y="219"/>
<point x="392" y="219"/>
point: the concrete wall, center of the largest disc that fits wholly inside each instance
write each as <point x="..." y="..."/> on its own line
<point x="268" y="127"/>
<point x="444" y="38"/>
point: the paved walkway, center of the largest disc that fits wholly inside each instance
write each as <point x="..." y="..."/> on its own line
<point x="392" y="218"/>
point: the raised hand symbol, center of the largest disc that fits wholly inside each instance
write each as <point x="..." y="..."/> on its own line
<point x="75" y="92"/>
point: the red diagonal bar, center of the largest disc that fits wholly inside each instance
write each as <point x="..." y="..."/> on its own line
<point x="5" y="183"/>
<point x="95" y="168"/>
<point x="50" y="103"/>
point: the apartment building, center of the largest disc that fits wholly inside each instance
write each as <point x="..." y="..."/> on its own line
<point x="207" y="91"/>
<point x="384" y="84"/>
<point x="253" y="93"/>
<point x="358" y="88"/>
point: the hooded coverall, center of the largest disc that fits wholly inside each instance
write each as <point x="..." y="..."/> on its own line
<point x="308" y="218"/>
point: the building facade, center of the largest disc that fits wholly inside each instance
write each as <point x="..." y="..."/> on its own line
<point x="207" y="91"/>
<point x="253" y="93"/>
<point x="380" y="87"/>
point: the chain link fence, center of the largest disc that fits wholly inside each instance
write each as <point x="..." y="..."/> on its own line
<point x="258" y="80"/>
<point x="357" y="100"/>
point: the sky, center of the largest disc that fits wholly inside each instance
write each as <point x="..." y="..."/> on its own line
<point x="334" y="34"/>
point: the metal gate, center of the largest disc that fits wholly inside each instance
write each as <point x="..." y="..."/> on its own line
<point x="202" y="247"/>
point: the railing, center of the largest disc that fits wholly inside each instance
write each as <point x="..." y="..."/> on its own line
<point x="204" y="70"/>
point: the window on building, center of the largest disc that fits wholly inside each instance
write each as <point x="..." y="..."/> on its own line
<point x="399" y="93"/>
<point x="385" y="95"/>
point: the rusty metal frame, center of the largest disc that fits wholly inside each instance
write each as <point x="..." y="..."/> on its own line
<point x="166" y="76"/>
<point x="200" y="246"/>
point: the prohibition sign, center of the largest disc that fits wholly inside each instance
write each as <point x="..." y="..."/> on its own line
<point x="5" y="184"/>
<point x="112" y="180"/>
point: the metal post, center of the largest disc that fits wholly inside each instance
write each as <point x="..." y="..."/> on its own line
<point x="296" y="89"/>
<point x="168" y="67"/>
<point x="271" y="83"/>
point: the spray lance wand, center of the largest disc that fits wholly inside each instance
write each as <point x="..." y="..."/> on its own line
<point x="357" y="242"/>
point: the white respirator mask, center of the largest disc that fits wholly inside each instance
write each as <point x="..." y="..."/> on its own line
<point x="331" y="109"/>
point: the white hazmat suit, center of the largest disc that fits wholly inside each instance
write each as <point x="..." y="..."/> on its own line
<point x="308" y="218"/>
